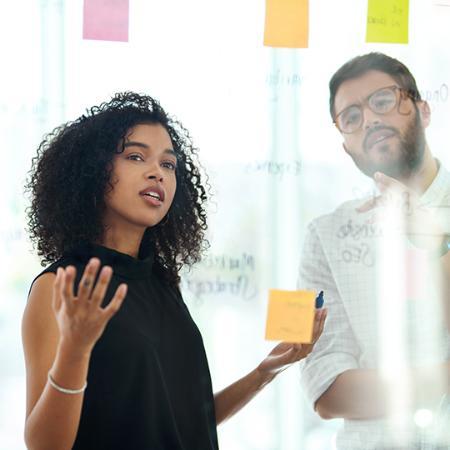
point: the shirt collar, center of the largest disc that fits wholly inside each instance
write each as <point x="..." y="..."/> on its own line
<point x="438" y="189"/>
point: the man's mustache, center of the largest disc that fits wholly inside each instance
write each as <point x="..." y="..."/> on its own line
<point x="375" y="130"/>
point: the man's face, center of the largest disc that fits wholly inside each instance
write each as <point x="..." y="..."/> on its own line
<point x="392" y="142"/>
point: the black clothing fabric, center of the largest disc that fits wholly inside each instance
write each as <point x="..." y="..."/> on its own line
<point x="149" y="386"/>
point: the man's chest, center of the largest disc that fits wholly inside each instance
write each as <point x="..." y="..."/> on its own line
<point x="388" y="288"/>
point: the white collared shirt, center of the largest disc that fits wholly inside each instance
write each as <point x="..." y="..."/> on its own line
<point x="341" y="256"/>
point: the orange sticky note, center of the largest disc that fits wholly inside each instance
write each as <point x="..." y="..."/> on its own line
<point x="387" y="21"/>
<point x="290" y="316"/>
<point x="287" y="23"/>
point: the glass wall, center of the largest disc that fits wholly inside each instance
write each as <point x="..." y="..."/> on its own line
<point x="260" y="119"/>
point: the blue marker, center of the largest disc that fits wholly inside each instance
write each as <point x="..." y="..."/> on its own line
<point x="319" y="300"/>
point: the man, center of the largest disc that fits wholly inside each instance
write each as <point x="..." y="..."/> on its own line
<point x="382" y="361"/>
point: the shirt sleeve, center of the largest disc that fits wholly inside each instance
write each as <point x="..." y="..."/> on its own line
<point x="336" y="350"/>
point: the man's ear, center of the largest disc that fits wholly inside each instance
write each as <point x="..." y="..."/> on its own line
<point x="425" y="112"/>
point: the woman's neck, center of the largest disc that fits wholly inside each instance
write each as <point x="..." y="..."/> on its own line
<point x="127" y="241"/>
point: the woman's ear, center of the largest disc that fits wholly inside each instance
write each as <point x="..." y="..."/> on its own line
<point x="425" y="112"/>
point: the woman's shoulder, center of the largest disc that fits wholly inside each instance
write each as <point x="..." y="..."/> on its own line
<point x="64" y="261"/>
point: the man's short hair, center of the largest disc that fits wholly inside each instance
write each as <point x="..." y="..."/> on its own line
<point x="373" y="61"/>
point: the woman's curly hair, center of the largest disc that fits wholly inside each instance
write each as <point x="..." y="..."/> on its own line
<point x="72" y="172"/>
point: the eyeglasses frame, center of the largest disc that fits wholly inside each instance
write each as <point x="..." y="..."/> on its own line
<point x="398" y="102"/>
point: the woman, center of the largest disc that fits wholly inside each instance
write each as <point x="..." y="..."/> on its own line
<point x="120" y="188"/>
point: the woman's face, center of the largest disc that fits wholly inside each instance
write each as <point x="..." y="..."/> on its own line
<point x="143" y="179"/>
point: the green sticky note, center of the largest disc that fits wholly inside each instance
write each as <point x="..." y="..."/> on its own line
<point x="387" y="21"/>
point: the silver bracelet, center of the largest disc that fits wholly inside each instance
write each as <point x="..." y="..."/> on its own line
<point x="65" y="390"/>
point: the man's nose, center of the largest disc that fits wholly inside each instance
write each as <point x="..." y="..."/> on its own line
<point x="370" y="118"/>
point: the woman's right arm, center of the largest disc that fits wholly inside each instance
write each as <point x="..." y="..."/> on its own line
<point x="59" y="331"/>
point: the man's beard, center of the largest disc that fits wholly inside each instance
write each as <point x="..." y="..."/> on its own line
<point x="411" y="149"/>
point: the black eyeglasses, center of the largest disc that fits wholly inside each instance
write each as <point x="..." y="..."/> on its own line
<point x="382" y="101"/>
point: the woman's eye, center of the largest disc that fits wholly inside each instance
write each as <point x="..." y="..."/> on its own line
<point x="135" y="157"/>
<point x="169" y="165"/>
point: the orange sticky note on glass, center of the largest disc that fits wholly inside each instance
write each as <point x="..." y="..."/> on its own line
<point x="287" y="23"/>
<point x="387" y="21"/>
<point x="290" y="316"/>
<point x="106" y="20"/>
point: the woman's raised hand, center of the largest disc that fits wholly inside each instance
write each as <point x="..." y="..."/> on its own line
<point x="81" y="319"/>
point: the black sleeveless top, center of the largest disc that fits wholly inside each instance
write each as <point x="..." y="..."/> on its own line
<point x="149" y="386"/>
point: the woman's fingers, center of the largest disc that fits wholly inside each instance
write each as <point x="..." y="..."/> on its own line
<point x="67" y="279"/>
<point x="289" y="357"/>
<point x="81" y="319"/>
<point x="281" y="348"/>
<point x="303" y="351"/>
<point x="116" y="302"/>
<point x="89" y="294"/>
<point x="100" y="288"/>
<point x="87" y="280"/>
<point x="319" y="322"/>
<point x="298" y="352"/>
<point x="323" y="317"/>
<point x="57" y="301"/>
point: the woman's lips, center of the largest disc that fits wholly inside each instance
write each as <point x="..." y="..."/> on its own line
<point x="154" y="195"/>
<point x="152" y="200"/>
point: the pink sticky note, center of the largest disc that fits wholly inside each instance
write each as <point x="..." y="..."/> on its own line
<point x="106" y="20"/>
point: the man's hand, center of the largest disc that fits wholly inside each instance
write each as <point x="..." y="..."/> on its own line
<point x="420" y="225"/>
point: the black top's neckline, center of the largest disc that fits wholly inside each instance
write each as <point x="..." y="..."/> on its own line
<point x="121" y="263"/>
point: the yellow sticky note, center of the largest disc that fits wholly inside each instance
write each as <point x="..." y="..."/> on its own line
<point x="387" y="21"/>
<point x="287" y="23"/>
<point x="290" y="316"/>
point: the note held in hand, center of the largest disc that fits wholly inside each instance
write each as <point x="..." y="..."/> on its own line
<point x="290" y="316"/>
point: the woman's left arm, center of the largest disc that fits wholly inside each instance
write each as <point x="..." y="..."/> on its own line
<point x="234" y="397"/>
